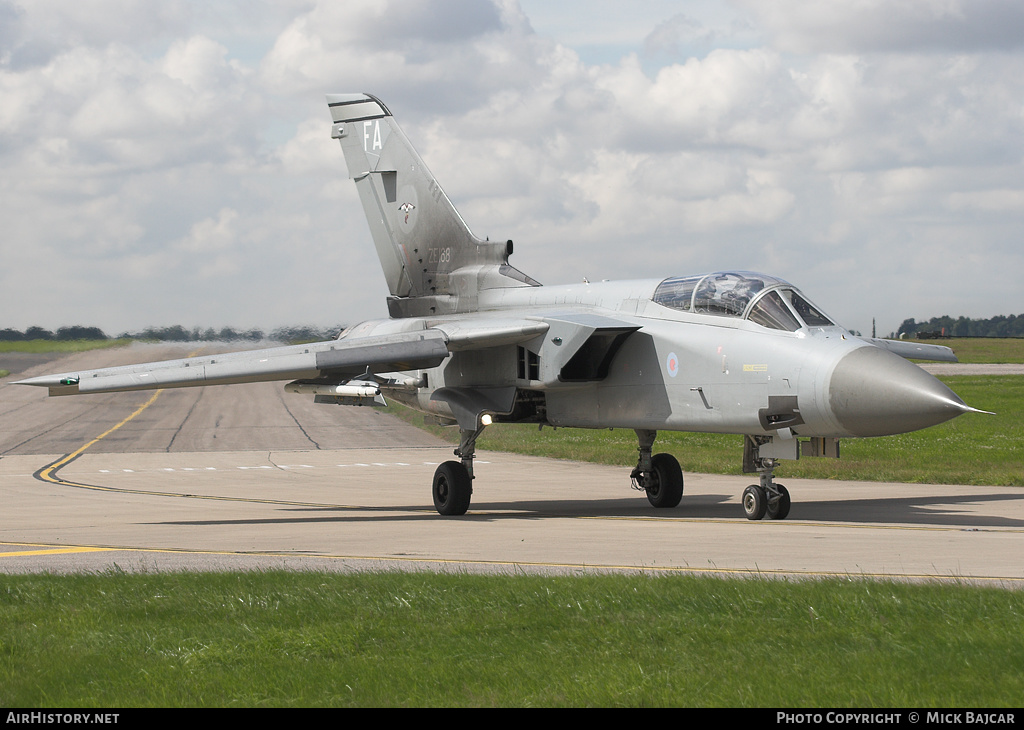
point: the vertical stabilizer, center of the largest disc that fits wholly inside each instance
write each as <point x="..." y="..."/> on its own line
<point x="425" y="248"/>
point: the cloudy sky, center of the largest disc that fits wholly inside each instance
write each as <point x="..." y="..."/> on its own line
<point x="171" y="163"/>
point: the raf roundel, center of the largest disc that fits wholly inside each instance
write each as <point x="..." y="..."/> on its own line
<point x="672" y="364"/>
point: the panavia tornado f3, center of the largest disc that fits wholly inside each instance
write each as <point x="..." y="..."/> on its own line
<point x="472" y="341"/>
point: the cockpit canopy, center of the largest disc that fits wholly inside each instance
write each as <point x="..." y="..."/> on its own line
<point x="765" y="300"/>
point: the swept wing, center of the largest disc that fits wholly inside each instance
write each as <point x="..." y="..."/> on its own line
<point x="334" y="361"/>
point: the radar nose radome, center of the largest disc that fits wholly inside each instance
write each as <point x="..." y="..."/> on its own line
<point x="873" y="392"/>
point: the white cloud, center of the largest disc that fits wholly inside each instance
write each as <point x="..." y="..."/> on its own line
<point x="183" y="171"/>
<point x="907" y="26"/>
<point x="437" y="55"/>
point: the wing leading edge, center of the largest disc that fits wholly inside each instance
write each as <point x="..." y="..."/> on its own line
<point x="335" y="361"/>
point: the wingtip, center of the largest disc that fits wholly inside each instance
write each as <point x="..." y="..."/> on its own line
<point x="49" y="381"/>
<point x="42" y="381"/>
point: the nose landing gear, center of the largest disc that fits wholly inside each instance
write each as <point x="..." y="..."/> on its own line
<point x="766" y="499"/>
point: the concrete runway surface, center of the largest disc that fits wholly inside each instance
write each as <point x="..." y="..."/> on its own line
<point x="246" y="476"/>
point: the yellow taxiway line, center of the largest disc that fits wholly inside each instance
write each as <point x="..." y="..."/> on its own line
<point x="47" y="472"/>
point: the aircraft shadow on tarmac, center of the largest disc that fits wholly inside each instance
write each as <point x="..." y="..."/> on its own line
<point x="939" y="510"/>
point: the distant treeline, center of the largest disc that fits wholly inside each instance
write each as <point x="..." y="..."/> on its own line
<point x="64" y="333"/>
<point x="998" y="326"/>
<point x="177" y="333"/>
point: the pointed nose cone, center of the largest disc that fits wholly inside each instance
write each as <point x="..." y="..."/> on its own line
<point x="873" y="392"/>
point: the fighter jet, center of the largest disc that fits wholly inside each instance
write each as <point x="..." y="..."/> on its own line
<point x="472" y="341"/>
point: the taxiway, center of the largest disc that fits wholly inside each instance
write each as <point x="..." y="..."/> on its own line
<point x="243" y="477"/>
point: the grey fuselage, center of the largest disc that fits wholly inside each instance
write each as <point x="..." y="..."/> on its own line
<point x="679" y="371"/>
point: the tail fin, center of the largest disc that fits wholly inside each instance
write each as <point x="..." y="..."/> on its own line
<point x="431" y="260"/>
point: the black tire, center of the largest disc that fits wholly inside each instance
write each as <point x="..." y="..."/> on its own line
<point x="452" y="489"/>
<point x="664" y="483"/>
<point x="755" y="502"/>
<point x="780" y="509"/>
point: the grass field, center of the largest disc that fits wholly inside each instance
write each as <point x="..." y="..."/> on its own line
<point x="985" y="349"/>
<point x="61" y="345"/>
<point x="971" y="449"/>
<point x="392" y="639"/>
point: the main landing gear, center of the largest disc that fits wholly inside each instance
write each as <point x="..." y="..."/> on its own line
<point x="659" y="475"/>
<point x="453" y="480"/>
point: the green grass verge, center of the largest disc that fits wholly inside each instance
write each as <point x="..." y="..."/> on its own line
<point x="971" y="449"/>
<point x="392" y="639"/>
<point x="38" y="346"/>
<point x="4" y="373"/>
<point x="984" y="349"/>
